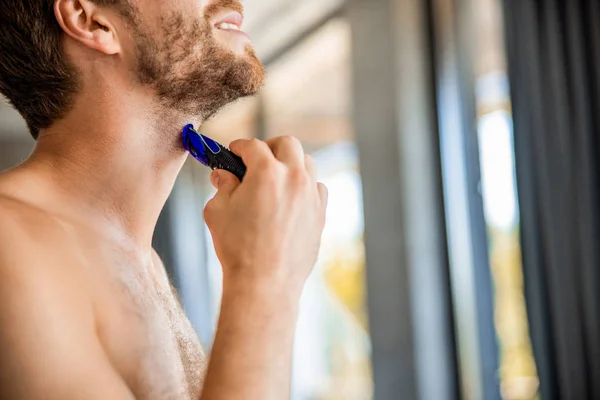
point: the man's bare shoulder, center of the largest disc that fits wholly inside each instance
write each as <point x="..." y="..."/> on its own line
<point x="32" y="246"/>
<point x="24" y="225"/>
<point x="29" y="255"/>
<point x="48" y="338"/>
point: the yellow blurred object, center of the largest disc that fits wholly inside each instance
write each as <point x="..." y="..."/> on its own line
<point x="345" y="276"/>
<point x="518" y="371"/>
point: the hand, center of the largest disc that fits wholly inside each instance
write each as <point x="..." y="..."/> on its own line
<point x="267" y="230"/>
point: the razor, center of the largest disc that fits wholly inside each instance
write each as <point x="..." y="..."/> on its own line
<point x="212" y="154"/>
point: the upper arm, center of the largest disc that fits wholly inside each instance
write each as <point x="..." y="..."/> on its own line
<point x="48" y="345"/>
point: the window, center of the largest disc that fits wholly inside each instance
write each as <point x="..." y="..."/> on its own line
<point x="307" y="95"/>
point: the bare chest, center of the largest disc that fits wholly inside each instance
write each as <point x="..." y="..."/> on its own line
<point x="147" y="335"/>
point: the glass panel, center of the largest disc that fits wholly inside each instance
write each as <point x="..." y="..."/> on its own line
<point x="517" y="365"/>
<point x="308" y="91"/>
<point x="332" y="352"/>
<point x="308" y="96"/>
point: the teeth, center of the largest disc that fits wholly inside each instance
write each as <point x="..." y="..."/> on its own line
<point x="228" y="26"/>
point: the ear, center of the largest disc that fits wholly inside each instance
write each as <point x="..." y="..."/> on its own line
<point x="85" y="22"/>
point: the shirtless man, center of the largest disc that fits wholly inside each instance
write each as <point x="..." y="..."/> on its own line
<point x="86" y="310"/>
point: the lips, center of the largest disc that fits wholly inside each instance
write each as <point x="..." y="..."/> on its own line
<point x="231" y="22"/>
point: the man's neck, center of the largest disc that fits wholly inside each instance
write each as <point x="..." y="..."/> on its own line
<point x="112" y="165"/>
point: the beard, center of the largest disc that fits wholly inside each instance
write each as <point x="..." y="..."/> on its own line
<point x="190" y="71"/>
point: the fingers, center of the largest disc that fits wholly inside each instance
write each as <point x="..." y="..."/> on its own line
<point x="323" y="194"/>
<point x="224" y="181"/>
<point x="287" y="150"/>
<point x="321" y="188"/>
<point x="255" y="153"/>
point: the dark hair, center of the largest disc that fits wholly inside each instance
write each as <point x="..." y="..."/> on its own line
<point x="35" y="74"/>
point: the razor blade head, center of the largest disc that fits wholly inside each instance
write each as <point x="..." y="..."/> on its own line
<point x="202" y="148"/>
<point x="212" y="154"/>
<point x="195" y="144"/>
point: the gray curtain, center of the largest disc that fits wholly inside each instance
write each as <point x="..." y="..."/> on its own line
<point x="554" y="63"/>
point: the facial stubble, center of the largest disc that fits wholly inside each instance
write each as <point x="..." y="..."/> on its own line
<point x="190" y="71"/>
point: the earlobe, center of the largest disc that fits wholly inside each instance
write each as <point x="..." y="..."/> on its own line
<point x="83" y="21"/>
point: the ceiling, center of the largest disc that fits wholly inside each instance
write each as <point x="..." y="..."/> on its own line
<point x="273" y="23"/>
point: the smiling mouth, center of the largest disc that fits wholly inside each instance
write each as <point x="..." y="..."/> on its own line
<point x="228" y="26"/>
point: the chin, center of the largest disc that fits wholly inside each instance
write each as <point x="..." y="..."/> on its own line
<point x="255" y="71"/>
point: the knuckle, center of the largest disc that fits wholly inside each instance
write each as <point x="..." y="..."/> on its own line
<point x="288" y="141"/>
<point x="260" y="146"/>
<point x="298" y="177"/>
<point x="248" y="145"/>
<point x="236" y="144"/>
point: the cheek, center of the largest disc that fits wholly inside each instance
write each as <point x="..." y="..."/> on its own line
<point x="190" y="9"/>
<point x="201" y="6"/>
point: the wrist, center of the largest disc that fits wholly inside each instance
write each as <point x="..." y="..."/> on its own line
<point x="262" y="290"/>
<point x="249" y="311"/>
<point x="261" y="295"/>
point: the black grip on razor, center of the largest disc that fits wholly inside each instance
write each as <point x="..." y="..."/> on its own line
<point x="225" y="159"/>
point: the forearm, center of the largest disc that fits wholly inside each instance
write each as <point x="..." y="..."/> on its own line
<point x="252" y="352"/>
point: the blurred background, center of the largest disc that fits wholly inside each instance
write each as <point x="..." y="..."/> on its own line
<point x="437" y="178"/>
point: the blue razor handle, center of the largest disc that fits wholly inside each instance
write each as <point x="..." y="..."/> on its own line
<point x="211" y="153"/>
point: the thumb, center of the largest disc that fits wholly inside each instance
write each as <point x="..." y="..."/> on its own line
<point x="224" y="181"/>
